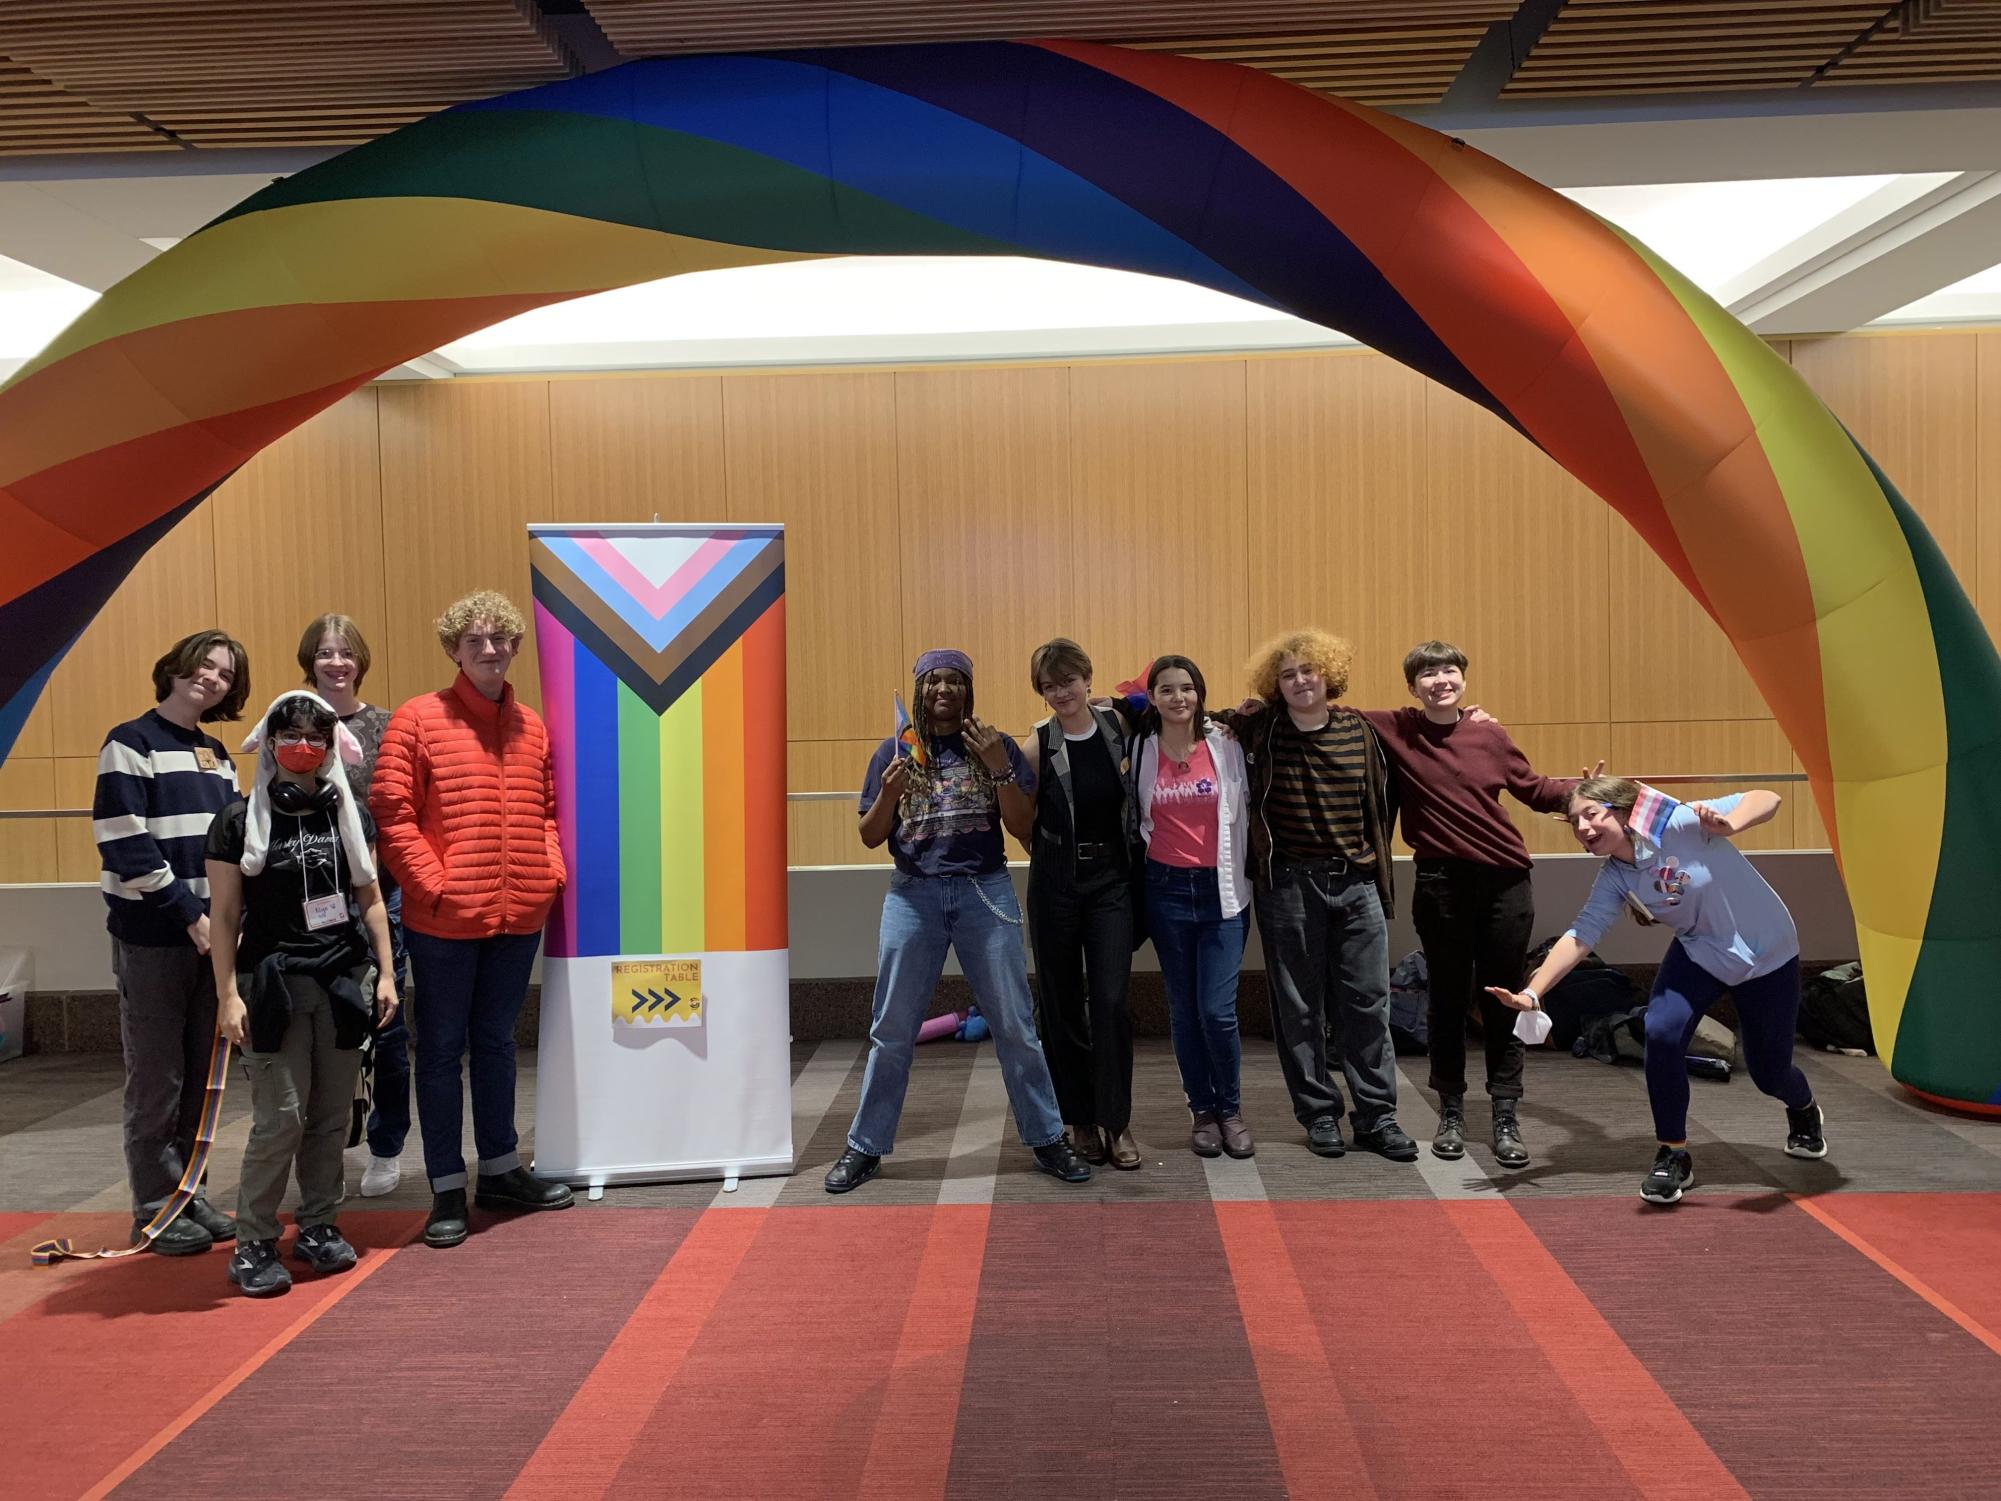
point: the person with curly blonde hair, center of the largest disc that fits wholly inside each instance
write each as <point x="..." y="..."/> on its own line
<point x="465" y="801"/>
<point x="1320" y="818"/>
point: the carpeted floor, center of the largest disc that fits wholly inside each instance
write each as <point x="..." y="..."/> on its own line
<point x="966" y="1327"/>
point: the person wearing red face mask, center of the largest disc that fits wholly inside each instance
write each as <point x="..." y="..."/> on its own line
<point x="295" y="986"/>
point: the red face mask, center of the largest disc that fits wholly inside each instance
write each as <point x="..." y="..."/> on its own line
<point x="300" y="758"/>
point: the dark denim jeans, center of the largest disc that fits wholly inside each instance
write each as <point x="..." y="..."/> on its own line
<point x="1080" y="924"/>
<point x="470" y="993"/>
<point x="389" y="1121"/>
<point x="1327" y="961"/>
<point x="1200" y="953"/>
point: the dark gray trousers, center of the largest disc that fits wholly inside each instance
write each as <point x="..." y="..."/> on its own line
<point x="166" y="1024"/>
<point x="1326" y="949"/>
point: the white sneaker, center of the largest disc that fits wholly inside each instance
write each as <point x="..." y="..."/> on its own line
<point x="381" y="1176"/>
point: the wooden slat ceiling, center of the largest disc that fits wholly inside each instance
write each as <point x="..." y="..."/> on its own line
<point x="1596" y="48"/>
<point x="195" y="73"/>
<point x="166" y="75"/>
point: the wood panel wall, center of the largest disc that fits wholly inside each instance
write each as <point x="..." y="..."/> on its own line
<point x="1188" y="505"/>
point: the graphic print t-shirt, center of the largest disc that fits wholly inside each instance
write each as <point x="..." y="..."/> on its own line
<point x="306" y="857"/>
<point x="953" y="827"/>
<point x="1183" y="810"/>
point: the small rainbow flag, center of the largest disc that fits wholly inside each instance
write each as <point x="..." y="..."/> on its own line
<point x="908" y="741"/>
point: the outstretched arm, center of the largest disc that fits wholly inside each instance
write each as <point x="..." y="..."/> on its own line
<point x="1732" y="816"/>
<point x="1567" y="954"/>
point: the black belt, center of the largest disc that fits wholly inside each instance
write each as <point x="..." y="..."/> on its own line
<point x="1326" y="865"/>
<point x="1089" y="852"/>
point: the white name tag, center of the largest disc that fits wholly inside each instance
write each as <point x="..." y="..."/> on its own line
<point x="325" y="912"/>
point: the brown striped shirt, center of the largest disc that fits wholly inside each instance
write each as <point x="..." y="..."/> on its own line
<point x="1319" y="779"/>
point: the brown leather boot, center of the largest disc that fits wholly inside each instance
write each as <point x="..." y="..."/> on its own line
<point x="1237" y="1136"/>
<point x="1088" y="1142"/>
<point x="1125" y="1151"/>
<point x="1205" y="1138"/>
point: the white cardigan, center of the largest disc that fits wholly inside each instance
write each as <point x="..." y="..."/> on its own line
<point x="1233" y="882"/>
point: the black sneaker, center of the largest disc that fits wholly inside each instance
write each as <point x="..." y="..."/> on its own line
<point x="1674" y="1171"/>
<point x="219" y="1225"/>
<point x="181" y="1238"/>
<point x="324" y="1249"/>
<point x="257" y="1270"/>
<point x="851" y="1170"/>
<point x="1509" y="1148"/>
<point x="1323" y="1136"/>
<point x="447" y="1223"/>
<point x="1449" y="1140"/>
<point x="1387" y="1139"/>
<point x="1803" y="1132"/>
<point x="1060" y="1161"/>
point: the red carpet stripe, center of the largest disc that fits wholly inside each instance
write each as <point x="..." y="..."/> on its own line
<point x="1653" y="1440"/>
<point x="1317" y="1447"/>
<point x="441" y="1375"/>
<point x="1109" y="1359"/>
<point x="912" y="1448"/>
<point x="1807" y="1369"/>
<point x="1954" y="1240"/>
<point x="1410" y="1320"/>
<point x="581" y="1454"/>
<point x="780" y="1394"/>
<point x="96" y="1329"/>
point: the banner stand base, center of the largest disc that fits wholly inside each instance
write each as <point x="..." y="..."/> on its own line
<point x="596" y="1180"/>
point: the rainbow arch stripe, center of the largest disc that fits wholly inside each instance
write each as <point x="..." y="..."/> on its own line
<point x="667" y="730"/>
<point x="1704" y="440"/>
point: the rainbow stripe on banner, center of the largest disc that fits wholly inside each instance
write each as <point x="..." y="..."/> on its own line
<point x="663" y="684"/>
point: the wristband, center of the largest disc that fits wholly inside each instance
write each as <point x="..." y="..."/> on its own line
<point x="1535" y="997"/>
<point x="1002" y="778"/>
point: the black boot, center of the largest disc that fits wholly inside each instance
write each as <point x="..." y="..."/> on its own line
<point x="1509" y="1150"/>
<point x="447" y="1224"/>
<point x="1449" y="1140"/>
<point x="517" y="1188"/>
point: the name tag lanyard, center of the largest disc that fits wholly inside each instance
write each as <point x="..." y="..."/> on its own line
<point x="322" y="911"/>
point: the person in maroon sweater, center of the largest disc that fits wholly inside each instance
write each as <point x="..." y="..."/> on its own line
<point x="1473" y="907"/>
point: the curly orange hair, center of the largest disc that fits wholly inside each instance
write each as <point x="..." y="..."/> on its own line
<point x="1333" y="655"/>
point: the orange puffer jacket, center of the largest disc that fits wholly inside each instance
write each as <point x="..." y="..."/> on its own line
<point x="465" y="813"/>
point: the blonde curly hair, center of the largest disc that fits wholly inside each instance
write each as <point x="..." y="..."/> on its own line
<point x="482" y="604"/>
<point x="1333" y="655"/>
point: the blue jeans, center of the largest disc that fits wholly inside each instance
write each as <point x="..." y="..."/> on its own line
<point x="1200" y="953"/>
<point x="389" y="1121"/>
<point x="977" y="918"/>
<point x="469" y="994"/>
<point x="1767" y="1012"/>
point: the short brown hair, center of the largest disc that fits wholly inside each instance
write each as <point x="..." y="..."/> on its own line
<point x="1330" y="653"/>
<point x="1615" y="793"/>
<point x="187" y="654"/>
<point x="481" y="604"/>
<point x="348" y="631"/>
<point x="1427" y="655"/>
<point x="1053" y="661"/>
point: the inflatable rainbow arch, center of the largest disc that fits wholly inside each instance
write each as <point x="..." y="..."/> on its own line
<point x="1836" y="598"/>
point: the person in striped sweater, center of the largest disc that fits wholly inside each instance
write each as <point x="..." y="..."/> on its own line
<point x="160" y="780"/>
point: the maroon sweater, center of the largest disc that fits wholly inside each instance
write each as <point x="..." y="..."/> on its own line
<point x="1449" y="783"/>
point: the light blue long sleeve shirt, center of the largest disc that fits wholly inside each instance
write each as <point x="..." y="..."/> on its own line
<point x="1701" y="886"/>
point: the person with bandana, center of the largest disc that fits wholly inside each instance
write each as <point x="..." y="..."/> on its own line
<point x="941" y="802"/>
<point x="296" y="989"/>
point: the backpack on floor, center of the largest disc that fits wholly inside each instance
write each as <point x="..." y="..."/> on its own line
<point x="1592" y="990"/>
<point x="1834" y="1011"/>
<point x="1410" y="1005"/>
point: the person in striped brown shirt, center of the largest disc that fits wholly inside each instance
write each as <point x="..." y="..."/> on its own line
<point x="1320" y="818"/>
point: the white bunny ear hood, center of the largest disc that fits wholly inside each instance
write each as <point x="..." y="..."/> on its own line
<point x="257" y="823"/>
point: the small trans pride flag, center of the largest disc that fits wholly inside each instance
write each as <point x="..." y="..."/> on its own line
<point x="908" y="741"/>
<point x="1651" y="812"/>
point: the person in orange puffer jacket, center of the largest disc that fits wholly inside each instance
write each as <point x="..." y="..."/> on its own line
<point x="465" y="810"/>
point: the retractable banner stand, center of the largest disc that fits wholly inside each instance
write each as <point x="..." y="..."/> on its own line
<point x="665" y="1014"/>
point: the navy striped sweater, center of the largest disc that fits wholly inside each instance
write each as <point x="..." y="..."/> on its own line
<point x="158" y="786"/>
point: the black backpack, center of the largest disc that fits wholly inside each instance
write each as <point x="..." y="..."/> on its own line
<point x="1834" y="1011"/>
